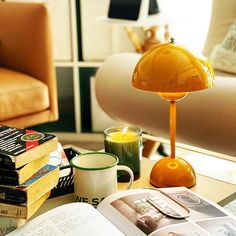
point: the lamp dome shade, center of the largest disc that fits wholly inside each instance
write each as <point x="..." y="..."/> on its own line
<point x="172" y="68"/>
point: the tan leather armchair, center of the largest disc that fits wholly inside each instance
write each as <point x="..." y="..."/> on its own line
<point x="28" y="93"/>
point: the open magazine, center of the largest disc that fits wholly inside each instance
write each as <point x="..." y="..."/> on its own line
<point x="165" y="212"/>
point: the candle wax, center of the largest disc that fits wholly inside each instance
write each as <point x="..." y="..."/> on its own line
<point x="127" y="148"/>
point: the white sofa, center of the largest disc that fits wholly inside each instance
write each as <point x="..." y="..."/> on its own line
<point x="206" y="119"/>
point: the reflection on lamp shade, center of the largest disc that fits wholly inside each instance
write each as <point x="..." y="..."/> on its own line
<point x="172" y="68"/>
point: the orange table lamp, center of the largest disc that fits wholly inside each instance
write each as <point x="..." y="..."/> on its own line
<point x="172" y="71"/>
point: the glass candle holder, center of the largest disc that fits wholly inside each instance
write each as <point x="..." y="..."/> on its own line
<point x="125" y="143"/>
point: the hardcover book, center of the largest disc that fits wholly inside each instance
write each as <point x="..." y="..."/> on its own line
<point x="41" y="182"/>
<point x="164" y="212"/>
<point x="20" y="175"/>
<point x="21" y="211"/>
<point x="21" y="146"/>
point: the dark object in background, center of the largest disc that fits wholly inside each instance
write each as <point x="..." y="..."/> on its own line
<point x="66" y="183"/>
<point x="153" y="7"/>
<point x="131" y="9"/>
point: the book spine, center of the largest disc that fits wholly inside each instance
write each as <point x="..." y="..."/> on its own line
<point x="15" y="211"/>
<point x="9" y="177"/>
<point x="9" y="195"/>
<point x="6" y="162"/>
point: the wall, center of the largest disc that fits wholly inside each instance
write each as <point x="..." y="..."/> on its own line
<point x="189" y="20"/>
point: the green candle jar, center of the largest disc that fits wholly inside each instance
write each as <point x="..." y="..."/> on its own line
<point x="125" y="143"/>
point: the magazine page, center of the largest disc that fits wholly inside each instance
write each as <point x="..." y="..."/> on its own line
<point x="132" y="212"/>
<point x="69" y="220"/>
<point x="204" y="214"/>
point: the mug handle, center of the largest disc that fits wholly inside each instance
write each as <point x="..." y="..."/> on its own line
<point x="127" y="169"/>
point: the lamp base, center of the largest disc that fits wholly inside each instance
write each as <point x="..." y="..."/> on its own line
<point x="172" y="172"/>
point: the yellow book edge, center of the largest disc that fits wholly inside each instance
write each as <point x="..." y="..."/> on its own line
<point x="31" y="168"/>
<point x="34" y="153"/>
<point x="44" y="184"/>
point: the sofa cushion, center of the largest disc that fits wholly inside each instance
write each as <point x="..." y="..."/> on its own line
<point x="223" y="56"/>
<point x="223" y="15"/>
<point x="21" y="94"/>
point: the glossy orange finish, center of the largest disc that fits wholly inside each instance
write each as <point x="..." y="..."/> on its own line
<point x="172" y="71"/>
<point x="172" y="96"/>
<point x="172" y="68"/>
<point x="172" y="172"/>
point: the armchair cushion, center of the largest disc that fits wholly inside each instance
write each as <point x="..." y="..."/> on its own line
<point x="26" y="56"/>
<point x="223" y="56"/>
<point x="223" y="15"/>
<point x="24" y="95"/>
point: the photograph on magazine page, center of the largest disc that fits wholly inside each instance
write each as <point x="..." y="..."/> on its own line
<point x="137" y="209"/>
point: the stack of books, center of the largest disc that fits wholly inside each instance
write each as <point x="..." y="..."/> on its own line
<point x="26" y="178"/>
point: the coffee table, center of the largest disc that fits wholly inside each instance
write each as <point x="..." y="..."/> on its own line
<point x="215" y="190"/>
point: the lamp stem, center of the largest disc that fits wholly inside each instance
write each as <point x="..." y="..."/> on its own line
<point x="172" y="127"/>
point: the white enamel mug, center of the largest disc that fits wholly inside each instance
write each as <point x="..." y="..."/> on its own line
<point x="95" y="176"/>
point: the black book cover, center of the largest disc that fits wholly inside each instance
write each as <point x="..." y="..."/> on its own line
<point x="9" y="177"/>
<point x="14" y="142"/>
<point x="10" y="195"/>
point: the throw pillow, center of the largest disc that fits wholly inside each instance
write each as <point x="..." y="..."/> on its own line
<point x="223" y="56"/>
<point x="223" y="15"/>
